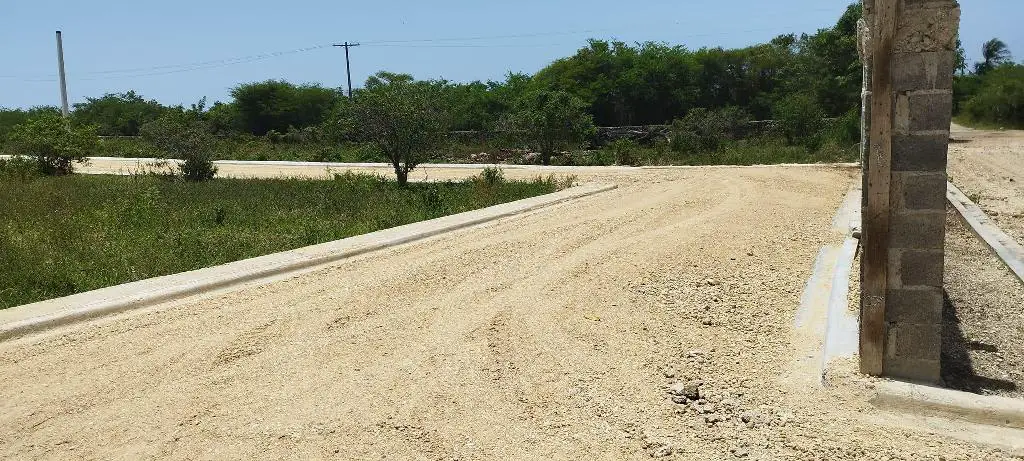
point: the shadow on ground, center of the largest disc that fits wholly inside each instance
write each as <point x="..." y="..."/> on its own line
<point x="957" y="367"/>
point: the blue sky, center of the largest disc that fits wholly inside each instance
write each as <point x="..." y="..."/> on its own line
<point x="233" y="38"/>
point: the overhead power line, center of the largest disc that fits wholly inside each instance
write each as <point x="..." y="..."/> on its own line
<point x="447" y="42"/>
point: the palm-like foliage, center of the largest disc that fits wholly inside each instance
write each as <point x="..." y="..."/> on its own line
<point x="995" y="53"/>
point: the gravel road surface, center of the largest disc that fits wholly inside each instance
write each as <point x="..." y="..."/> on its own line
<point x="655" y="320"/>
<point x="988" y="166"/>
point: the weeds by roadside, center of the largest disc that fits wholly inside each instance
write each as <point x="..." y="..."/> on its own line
<point x="64" y="235"/>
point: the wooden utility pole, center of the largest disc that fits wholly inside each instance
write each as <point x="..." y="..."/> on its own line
<point x="63" y="78"/>
<point x="348" y="65"/>
<point x="879" y="173"/>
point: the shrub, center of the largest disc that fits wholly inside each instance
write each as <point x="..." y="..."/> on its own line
<point x="1000" y="100"/>
<point x="551" y="122"/>
<point x="492" y="176"/>
<point x="800" y="119"/>
<point x="404" y="119"/>
<point x="704" y="130"/>
<point x="54" y="145"/>
<point x="626" y="152"/>
<point x="182" y="137"/>
<point x="18" y="168"/>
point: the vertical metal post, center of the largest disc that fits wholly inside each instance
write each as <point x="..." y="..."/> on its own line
<point x="63" y="77"/>
<point x="348" y="70"/>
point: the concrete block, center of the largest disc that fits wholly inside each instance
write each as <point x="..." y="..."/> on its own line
<point x="922" y="371"/>
<point x="923" y="71"/>
<point x="913" y="341"/>
<point x="914" y="306"/>
<point x="923" y="268"/>
<point x="921" y="230"/>
<point x="918" y="191"/>
<point x="927" y="29"/>
<point x="911" y="4"/>
<point x="919" y="152"/>
<point x="931" y="111"/>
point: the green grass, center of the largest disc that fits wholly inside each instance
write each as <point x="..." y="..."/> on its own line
<point x="737" y="152"/>
<point x="742" y="152"/>
<point x="64" y="235"/>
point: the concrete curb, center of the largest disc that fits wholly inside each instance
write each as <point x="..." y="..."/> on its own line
<point x="841" y="331"/>
<point x="981" y="409"/>
<point x="1004" y="246"/>
<point x="32" y="318"/>
<point x="465" y="166"/>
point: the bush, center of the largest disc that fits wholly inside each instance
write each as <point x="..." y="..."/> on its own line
<point x="492" y="176"/>
<point x="54" y="145"/>
<point x="1000" y="100"/>
<point x="18" y="168"/>
<point x="625" y="151"/>
<point x="405" y="120"/>
<point x="550" y="122"/>
<point x="703" y="130"/>
<point x="181" y="137"/>
<point x="800" y="119"/>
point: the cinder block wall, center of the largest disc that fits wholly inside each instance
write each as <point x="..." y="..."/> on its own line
<point x="923" y="63"/>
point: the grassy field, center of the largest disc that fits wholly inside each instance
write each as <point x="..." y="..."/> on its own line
<point x="750" y="151"/>
<point x="64" y="235"/>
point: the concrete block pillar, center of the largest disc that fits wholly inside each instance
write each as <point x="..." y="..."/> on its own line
<point x="920" y="78"/>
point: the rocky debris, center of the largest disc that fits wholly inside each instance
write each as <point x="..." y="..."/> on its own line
<point x="690" y="390"/>
<point x="531" y="157"/>
<point x="662" y="451"/>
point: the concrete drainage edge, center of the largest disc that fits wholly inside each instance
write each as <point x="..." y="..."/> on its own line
<point x="981" y="409"/>
<point x="45" y="315"/>
<point x="1004" y="246"/>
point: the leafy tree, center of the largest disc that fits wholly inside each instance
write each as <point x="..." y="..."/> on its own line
<point x="184" y="136"/>
<point x="118" y="114"/>
<point x="405" y="120"/>
<point x="999" y="98"/>
<point x="9" y="118"/>
<point x="994" y="54"/>
<point x="278" y="105"/>
<point x="703" y="130"/>
<point x="800" y="119"/>
<point x="54" y="145"/>
<point x="552" y="121"/>
<point x="961" y="57"/>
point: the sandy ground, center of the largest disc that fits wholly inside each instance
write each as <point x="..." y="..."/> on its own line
<point x="983" y="340"/>
<point x="988" y="166"/>
<point x="555" y="335"/>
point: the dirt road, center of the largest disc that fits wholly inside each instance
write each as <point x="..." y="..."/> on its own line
<point x="548" y="336"/>
<point x="989" y="167"/>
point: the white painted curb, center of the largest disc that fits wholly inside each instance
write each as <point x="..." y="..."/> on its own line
<point x="134" y="161"/>
<point x="44" y="315"/>
<point x="1004" y="246"/>
<point x="981" y="409"/>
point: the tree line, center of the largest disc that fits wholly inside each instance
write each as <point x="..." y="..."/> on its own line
<point x="801" y="81"/>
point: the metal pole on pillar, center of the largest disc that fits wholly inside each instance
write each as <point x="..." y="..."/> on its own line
<point x="63" y="77"/>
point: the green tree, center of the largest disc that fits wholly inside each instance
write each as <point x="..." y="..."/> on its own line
<point x="406" y="120"/>
<point x="184" y="136"/>
<point x="800" y="119"/>
<point x="276" y="105"/>
<point x="994" y="54"/>
<point x="552" y="121"/>
<point x="117" y="114"/>
<point x="9" y="118"/>
<point x="54" y="145"/>
<point x="999" y="99"/>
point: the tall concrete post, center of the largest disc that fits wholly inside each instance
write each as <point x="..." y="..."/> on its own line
<point x="911" y="136"/>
